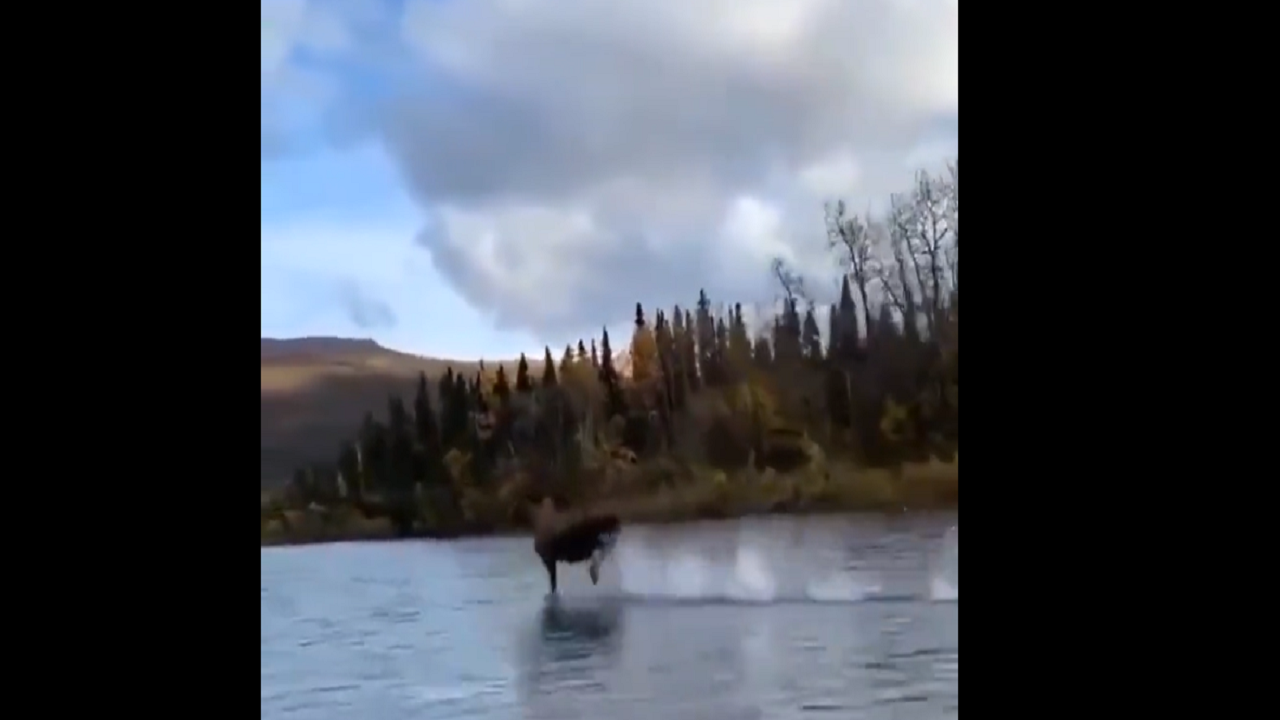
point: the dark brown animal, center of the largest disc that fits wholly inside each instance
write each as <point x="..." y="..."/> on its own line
<point x="573" y="540"/>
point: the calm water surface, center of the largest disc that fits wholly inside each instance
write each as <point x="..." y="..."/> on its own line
<point x="767" y="618"/>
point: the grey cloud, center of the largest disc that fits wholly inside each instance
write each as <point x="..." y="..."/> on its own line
<point x="623" y="270"/>
<point x="577" y="156"/>
<point x="366" y="311"/>
<point x="564" y="95"/>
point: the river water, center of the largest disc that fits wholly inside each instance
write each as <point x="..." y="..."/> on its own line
<point x="763" y="618"/>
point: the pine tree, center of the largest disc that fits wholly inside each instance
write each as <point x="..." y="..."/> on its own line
<point x="739" y="341"/>
<point x="644" y="351"/>
<point x="501" y="389"/>
<point x="476" y="389"/>
<point x="548" y="369"/>
<point x="429" y="455"/>
<point x="672" y="380"/>
<point x="848" y="316"/>
<point x="787" y="347"/>
<point x="400" y="434"/>
<point x="523" y="384"/>
<point x="445" y="394"/>
<point x="614" y="402"/>
<point x="427" y="430"/>
<point x="566" y="363"/>
<point x="811" y="337"/>
<point x="689" y="354"/>
<point x="705" y="334"/>
<point x="720" y="354"/>
<point x="834" y="321"/>
<point x="461" y="411"/>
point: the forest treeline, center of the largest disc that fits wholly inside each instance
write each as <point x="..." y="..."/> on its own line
<point x="878" y="386"/>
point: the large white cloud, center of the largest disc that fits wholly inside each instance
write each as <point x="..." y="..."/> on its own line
<point x="577" y="155"/>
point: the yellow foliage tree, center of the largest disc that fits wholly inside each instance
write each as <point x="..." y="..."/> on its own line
<point x="645" y="367"/>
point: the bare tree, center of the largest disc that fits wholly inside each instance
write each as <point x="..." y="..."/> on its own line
<point x="920" y="271"/>
<point x="929" y="239"/>
<point x="894" y="280"/>
<point x="856" y="239"/>
<point x="951" y="190"/>
<point x="792" y="283"/>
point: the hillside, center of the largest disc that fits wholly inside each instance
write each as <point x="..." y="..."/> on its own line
<point x="315" y="390"/>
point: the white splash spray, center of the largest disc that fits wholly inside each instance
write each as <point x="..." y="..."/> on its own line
<point x="750" y="578"/>
<point x="944" y="580"/>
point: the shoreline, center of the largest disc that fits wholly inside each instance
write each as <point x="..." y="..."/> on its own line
<point x="913" y="489"/>
<point x="283" y="542"/>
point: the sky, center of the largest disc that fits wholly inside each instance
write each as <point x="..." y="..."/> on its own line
<point x="480" y="178"/>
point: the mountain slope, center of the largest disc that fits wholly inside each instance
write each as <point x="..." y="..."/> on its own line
<point x="315" y="391"/>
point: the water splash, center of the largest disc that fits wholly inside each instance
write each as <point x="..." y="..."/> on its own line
<point x="842" y="587"/>
<point x="944" y="581"/>
<point x="750" y="578"/>
<point x="942" y="591"/>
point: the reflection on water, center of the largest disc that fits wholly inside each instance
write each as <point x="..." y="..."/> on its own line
<point x="435" y="630"/>
<point x="565" y="623"/>
<point x="566" y="653"/>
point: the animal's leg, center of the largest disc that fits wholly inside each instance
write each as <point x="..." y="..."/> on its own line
<point x="550" y="565"/>
<point x="603" y="548"/>
<point x="597" y="557"/>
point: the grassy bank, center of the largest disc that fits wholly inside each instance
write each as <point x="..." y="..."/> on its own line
<point x="703" y="495"/>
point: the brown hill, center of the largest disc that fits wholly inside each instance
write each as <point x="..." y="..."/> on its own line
<point x="315" y="390"/>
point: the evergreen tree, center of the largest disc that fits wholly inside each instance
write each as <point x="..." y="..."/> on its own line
<point x="460" y="412"/>
<point x="720" y="353"/>
<point x="400" y="431"/>
<point x="523" y="383"/>
<point x="615" y="404"/>
<point x="430" y="453"/>
<point x="424" y="418"/>
<point x="501" y="389"/>
<point x="689" y="354"/>
<point x="705" y="333"/>
<point x="566" y="361"/>
<point x="834" y="320"/>
<point x="445" y="398"/>
<point x="739" y="341"/>
<point x="811" y="337"/>
<point x="848" y="316"/>
<point x="673" y="385"/>
<point x="444" y="395"/>
<point x="548" y="370"/>
<point x="644" y="351"/>
<point x="787" y="347"/>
